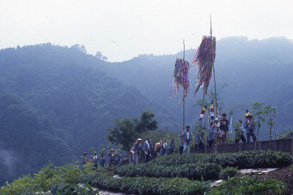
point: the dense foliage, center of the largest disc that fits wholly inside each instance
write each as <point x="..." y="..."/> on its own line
<point x="228" y="172"/>
<point x="71" y="180"/>
<point x="127" y="131"/>
<point x="249" y="185"/>
<point x="198" y="171"/>
<point x="245" y="159"/>
<point x="146" y="185"/>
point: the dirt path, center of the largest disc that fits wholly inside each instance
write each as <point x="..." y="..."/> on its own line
<point x="283" y="174"/>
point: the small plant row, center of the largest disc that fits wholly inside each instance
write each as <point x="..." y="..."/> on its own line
<point x="243" y="184"/>
<point x="245" y="159"/>
<point x="198" y="171"/>
<point x="146" y="185"/>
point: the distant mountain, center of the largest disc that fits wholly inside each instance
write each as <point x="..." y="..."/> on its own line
<point x="72" y="101"/>
<point x="247" y="71"/>
<point x="28" y="139"/>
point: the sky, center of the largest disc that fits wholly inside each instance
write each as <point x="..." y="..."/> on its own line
<point x="123" y="29"/>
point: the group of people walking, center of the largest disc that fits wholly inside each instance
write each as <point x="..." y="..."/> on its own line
<point x="147" y="150"/>
<point x="217" y="134"/>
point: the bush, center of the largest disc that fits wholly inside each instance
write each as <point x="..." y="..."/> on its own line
<point x="43" y="180"/>
<point x="146" y="185"/>
<point x="228" y="172"/>
<point x="72" y="189"/>
<point x="197" y="171"/>
<point x="245" y="159"/>
<point x="247" y="185"/>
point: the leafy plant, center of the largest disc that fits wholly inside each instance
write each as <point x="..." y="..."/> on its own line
<point x="248" y="185"/>
<point x="146" y="185"/>
<point x="228" y="172"/>
<point x="199" y="171"/>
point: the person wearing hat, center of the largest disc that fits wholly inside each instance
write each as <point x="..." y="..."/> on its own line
<point x="217" y="129"/>
<point x="147" y="149"/>
<point x="249" y="126"/>
<point x="137" y="150"/>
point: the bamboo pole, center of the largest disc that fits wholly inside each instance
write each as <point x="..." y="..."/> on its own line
<point x="183" y="89"/>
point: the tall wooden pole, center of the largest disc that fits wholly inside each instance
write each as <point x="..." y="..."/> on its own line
<point x="215" y="86"/>
<point x="183" y="90"/>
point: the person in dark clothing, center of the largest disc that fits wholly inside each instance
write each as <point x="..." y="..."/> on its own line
<point x="224" y="123"/>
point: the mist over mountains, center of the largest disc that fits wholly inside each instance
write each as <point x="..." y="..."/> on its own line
<point x="56" y="102"/>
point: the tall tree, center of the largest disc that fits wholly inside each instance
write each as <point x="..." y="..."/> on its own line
<point x="126" y="131"/>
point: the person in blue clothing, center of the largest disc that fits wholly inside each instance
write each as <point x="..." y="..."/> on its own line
<point x="137" y="150"/>
<point x="83" y="160"/>
<point x="250" y="128"/>
<point x="163" y="148"/>
<point x="187" y="139"/>
<point x="181" y="145"/>
<point x="212" y="134"/>
<point x="147" y="149"/>
<point x="102" y="160"/>
<point x="171" y="147"/>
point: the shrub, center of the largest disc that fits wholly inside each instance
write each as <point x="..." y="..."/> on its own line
<point x="245" y="159"/>
<point x="72" y="189"/>
<point x="228" y="172"/>
<point x="197" y="171"/>
<point x="247" y="185"/>
<point x="146" y="185"/>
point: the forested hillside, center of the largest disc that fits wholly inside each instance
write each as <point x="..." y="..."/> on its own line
<point x="247" y="71"/>
<point x="58" y="99"/>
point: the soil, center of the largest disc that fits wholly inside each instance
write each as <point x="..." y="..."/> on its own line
<point x="283" y="174"/>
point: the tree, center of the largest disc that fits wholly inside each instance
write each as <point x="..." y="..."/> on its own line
<point x="271" y="110"/>
<point x="146" y="123"/>
<point x="259" y="114"/>
<point x="126" y="131"/>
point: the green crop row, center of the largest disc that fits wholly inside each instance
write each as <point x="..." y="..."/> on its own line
<point x="245" y="159"/>
<point x="146" y="185"/>
<point x="198" y="171"/>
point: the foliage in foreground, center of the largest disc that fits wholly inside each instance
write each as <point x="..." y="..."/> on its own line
<point x="198" y="171"/>
<point x="146" y="185"/>
<point x="228" y="172"/>
<point x="67" y="176"/>
<point x="248" y="185"/>
<point x="245" y="159"/>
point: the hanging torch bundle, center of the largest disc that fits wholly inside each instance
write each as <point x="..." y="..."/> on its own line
<point x="180" y="77"/>
<point x="205" y="58"/>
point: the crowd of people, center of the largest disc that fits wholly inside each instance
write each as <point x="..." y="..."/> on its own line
<point x="217" y="134"/>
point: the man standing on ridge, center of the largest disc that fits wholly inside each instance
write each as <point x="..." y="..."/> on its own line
<point x="181" y="147"/>
<point x="147" y="149"/>
<point x="224" y="128"/>
<point x="187" y="139"/>
<point x="137" y="150"/>
<point x="249" y="126"/>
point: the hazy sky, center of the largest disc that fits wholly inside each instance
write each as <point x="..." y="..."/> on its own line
<point x="122" y="29"/>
